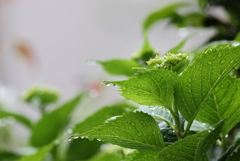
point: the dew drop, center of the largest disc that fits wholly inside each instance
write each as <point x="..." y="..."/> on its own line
<point x="75" y="137"/>
<point x="57" y="142"/>
<point x="69" y="131"/>
<point x="82" y="137"/>
<point x="69" y="139"/>
<point x="107" y="84"/>
<point x="91" y="62"/>
<point x="115" y="85"/>
<point x="99" y="140"/>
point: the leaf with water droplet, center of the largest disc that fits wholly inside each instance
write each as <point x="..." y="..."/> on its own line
<point x="206" y="78"/>
<point x="151" y="87"/>
<point x="121" y="134"/>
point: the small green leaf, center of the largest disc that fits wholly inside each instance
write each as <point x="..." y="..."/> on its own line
<point x="191" y="148"/>
<point x="119" y="66"/>
<point x="132" y="130"/>
<point x="223" y="103"/>
<point x="227" y="155"/>
<point x="22" y="119"/>
<point x="199" y="80"/>
<point x="151" y="87"/>
<point x="40" y="154"/>
<point x="41" y="95"/>
<point x="100" y="116"/>
<point x="158" y="112"/>
<point x="143" y="156"/>
<point x="48" y="128"/>
<point x="166" y="12"/>
<point x="145" y="53"/>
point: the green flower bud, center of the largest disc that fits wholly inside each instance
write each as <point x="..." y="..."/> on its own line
<point x="170" y="61"/>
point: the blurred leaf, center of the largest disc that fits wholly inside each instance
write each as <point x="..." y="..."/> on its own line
<point x="40" y="154"/>
<point x="178" y="48"/>
<point x="100" y="116"/>
<point x="191" y="19"/>
<point x="133" y="130"/>
<point x="229" y="155"/>
<point x="22" y="119"/>
<point x="192" y="147"/>
<point x="82" y="149"/>
<point x="40" y="95"/>
<point x="237" y="38"/>
<point x="143" y="156"/>
<point x="145" y="53"/>
<point x="51" y="124"/>
<point x="8" y="156"/>
<point x="158" y="112"/>
<point x="151" y="87"/>
<point x="166" y="12"/>
<point x="119" y="66"/>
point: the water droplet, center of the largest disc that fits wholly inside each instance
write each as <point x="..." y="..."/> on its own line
<point x="226" y="136"/>
<point x="209" y="130"/>
<point x="57" y="142"/>
<point x="76" y="137"/>
<point x="223" y="61"/>
<point x="69" y="139"/>
<point x="91" y="62"/>
<point x="209" y="63"/>
<point x="115" y="85"/>
<point x="107" y="84"/>
<point x="69" y="131"/>
<point x="82" y="137"/>
<point x="99" y="140"/>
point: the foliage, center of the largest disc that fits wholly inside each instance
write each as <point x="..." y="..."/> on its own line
<point x="188" y="102"/>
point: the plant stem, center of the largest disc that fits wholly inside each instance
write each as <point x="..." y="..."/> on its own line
<point x="187" y="128"/>
<point x="177" y="122"/>
<point x="224" y="142"/>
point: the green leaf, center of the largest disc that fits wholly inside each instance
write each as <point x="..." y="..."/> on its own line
<point x="228" y="155"/>
<point x="159" y="113"/>
<point x="151" y="87"/>
<point x="40" y="154"/>
<point x="199" y="80"/>
<point x="51" y="124"/>
<point x="145" y="53"/>
<point x="132" y="130"/>
<point x="224" y="102"/>
<point x="191" y="148"/>
<point x="166" y="12"/>
<point x="22" y="119"/>
<point x="119" y="66"/>
<point x="40" y="95"/>
<point x="8" y="156"/>
<point x="237" y="38"/>
<point x="143" y="156"/>
<point x="100" y="116"/>
<point x="82" y="149"/>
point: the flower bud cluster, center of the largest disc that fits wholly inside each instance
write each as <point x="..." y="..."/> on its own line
<point x="167" y="61"/>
